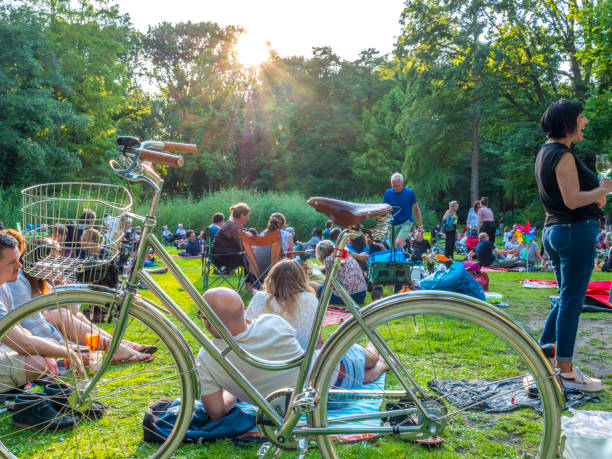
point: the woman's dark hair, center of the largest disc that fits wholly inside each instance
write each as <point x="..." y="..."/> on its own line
<point x="358" y="243"/>
<point x="559" y="119"/>
<point x="88" y="217"/>
<point x="318" y="232"/>
<point x="329" y="224"/>
<point x="484" y="201"/>
<point x="218" y="217"/>
<point x="334" y="233"/>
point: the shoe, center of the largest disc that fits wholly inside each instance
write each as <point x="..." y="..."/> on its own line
<point x="60" y="393"/>
<point x="35" y="410"/>
<point x="577" y="380"/>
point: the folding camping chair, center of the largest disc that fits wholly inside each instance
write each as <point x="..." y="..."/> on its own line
<point x="260" y="253"/>
<point x="214" y="273"/>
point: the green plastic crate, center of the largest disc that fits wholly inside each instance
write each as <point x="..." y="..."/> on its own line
<point x="390" y="272"/>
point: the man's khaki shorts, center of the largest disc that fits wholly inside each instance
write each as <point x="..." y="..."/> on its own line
<point x="12" y="369"/>
<point x="402" y="231"/>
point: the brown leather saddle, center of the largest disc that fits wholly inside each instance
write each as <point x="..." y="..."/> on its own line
<point x="344" y="213"/>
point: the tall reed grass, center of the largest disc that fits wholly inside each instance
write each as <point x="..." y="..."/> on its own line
<point x="197" y="213"/>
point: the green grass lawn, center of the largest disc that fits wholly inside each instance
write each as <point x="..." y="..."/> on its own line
<point x="529" y="307"/>
<point x="475" y="434"/>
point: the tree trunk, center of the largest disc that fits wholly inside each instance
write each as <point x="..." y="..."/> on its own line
<point x="475" y="152"/>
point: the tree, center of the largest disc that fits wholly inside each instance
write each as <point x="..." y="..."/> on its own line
<point x="32" y="120"/>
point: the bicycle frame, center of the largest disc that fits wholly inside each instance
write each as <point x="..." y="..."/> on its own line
<point x="145" y="173"/>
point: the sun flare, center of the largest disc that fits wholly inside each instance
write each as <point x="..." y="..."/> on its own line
<point x="251" y="51"/>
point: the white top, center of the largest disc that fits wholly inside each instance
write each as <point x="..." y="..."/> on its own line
<point x="6" y="300"/>
<point x="37" y="324"/>
<point x="285" y="239"/>
<point x="269" y="337"/>
<point x="305" y="310"/>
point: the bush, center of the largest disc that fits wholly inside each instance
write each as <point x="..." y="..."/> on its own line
<point x="10" y="206"/>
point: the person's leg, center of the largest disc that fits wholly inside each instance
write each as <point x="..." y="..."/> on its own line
<point x="576" y="267"/>
<point x="358" y="297"/>
<point x="334" y="299"/>
<point x="404" y="232"/>
<point x="77" y="327"/>
<point x="449" y="243"/>
<point x="490" y="230"/>
<point x="549" y="334"/>
<point x="374" y="364"/>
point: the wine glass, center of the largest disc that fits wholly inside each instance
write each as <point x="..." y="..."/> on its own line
<point x="603" y="165"/>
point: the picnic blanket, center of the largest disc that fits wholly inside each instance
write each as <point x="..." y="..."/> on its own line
<point x="348" y="407"/>
<point x="598" y="290"/>
<point x="335" y="315"/>
<point x="499" y="396"/>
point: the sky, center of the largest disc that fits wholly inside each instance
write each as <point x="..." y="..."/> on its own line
<point x="292" y="27"/>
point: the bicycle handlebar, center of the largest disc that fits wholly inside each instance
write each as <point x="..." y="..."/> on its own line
<point x="180" y="147"/>
<point x="163" y="158"/>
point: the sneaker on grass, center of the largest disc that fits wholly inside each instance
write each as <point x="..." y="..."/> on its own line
<point x="577" y="380"/>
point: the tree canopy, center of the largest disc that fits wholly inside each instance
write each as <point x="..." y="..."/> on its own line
<point x="455" y="107"/>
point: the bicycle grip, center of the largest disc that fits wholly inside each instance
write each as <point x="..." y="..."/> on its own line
<point x="162" y="158"/>
<point x="181" y="147"/>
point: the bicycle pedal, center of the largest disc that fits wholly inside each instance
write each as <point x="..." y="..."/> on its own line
<point x="306" y="402"/>
<point x="266" y="450"/>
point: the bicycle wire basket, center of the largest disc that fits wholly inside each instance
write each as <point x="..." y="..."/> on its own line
<point x="72" y="231"/>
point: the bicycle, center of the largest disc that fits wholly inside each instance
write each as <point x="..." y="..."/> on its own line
<point x="422" y="337"/>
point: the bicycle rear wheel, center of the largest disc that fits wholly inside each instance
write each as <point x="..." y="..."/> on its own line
<point x="454" y="347"/>
<point x="123" y="394"/>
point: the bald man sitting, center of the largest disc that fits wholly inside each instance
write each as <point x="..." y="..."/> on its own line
<point x="268" y="337"/>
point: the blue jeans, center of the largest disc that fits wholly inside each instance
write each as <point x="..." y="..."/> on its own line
<point x="571" y="248"/>
<point x="358" y="297"/>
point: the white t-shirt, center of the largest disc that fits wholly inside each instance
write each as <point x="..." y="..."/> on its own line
<point x="305" y="310"/>
<point x="6" y="300"/>
<point x="269" y="337"/>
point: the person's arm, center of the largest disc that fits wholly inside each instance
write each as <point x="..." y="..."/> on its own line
<point x="479" y="220"/>
<point x="362" y="257"/>
<point x="446" y="214"/>
<point x="417" y="214"/>
<point x="501" y="252"/>
<point x="567" y="178"/>
<point x="218" y="404"/>
<point x="24" y="343"/>
<point x="471" y="255"/>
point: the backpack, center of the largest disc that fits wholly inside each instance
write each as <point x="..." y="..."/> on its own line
<point x="448" y="224"/>
<point x="455" y="279"/>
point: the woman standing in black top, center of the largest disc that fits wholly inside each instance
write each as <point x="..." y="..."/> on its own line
<point x="572" y="198"/>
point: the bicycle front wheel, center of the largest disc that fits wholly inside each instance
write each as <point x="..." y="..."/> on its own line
<point x="467" y="363"/>
<point x="110" y="423"/>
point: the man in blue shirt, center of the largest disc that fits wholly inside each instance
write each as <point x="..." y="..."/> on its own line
<point x="404" y="202"/>
<point x="193" y="247"/>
